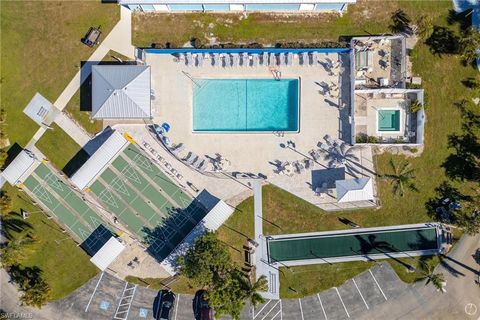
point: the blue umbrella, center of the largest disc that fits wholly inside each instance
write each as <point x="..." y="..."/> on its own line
<point x="166" y="127"/>
<point x="167" y="141"/>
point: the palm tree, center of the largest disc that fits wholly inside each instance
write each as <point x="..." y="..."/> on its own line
<point x="436" y="279"/>
<point x="401" y="178"/>
<point x="400" y="22"/>
<point x="16" y="250"/>
<point x="251" y="290"/>
<point x="342" y="154"/>
<point x="12" y="224"/>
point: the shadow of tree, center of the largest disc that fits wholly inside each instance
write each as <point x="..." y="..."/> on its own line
<point x="443" y="41"/>
<point x="463" y="19"/>
<point x="443" y="191"/>
<point x="12" y="224"/>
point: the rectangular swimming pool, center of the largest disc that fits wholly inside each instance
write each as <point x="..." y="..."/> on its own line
<point x="388" y="120"/>
<point x="352" y="244"/>
<point x="245" y="105"/>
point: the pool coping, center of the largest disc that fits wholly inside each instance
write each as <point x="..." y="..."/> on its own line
<point x="299" y="107"/>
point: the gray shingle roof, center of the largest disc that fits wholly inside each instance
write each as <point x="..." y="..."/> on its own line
<point x="121" y="91"/>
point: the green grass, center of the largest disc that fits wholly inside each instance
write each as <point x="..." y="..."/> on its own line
<point x="79" y="107"/>
<point x="41" y="51"/>
<point x="58" y="147"/>
<point x="362" y="18"/>
<point x="65" y="266"/>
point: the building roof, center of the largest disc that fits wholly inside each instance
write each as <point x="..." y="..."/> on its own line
<point x="354" y="190"/>
<point x="99" y="160"/>
<point x="121" y="91"/>
<point x="18" y="167"/>
<point x="145" y="2"/>
<point x="107" y="253"/>
<point x="40" y="110"/>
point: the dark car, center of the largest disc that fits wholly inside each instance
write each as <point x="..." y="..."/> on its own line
<point x="201" y="308"/>
<point x="164" y="305"/>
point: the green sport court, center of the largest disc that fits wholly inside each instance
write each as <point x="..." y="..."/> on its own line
<point x="147" y="201"/>
<point x="69" y="208"/>
<point x="341" y="245"/>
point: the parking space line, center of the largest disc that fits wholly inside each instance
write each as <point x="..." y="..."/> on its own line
<point x="270" y="310"/>
<point x="176" y="306"/>
<point x="261" y="309"/>
<point x="301" y="310"/>
<point x="321" y="305"/>
<point x="361" y="295"/>
<point x="281" y="309"/>
<point x="93" y="293"/>
<point x="374" y="279"/>
<point x="341" y="300"/>
<point x="276" y="314"/>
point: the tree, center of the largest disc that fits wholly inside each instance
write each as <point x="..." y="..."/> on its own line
<point x="400" y="22"/>
<point x="36" y="291"/>
<point x="251" y="290"/>
<point x="207" y="263"/>
<point x="228" y="297"/>
<point x="401" y="178"/>
<point x="16" y="250"/>
<point x="469" y="45"/>
<point x="424" y="26"/>
<point x="435" y="279"/>
<point x="3" y="156"/>
<point x="415" y="106"/>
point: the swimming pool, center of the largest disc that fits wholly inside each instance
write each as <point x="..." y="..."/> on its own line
<point x="388" y="120"/>
<point x="245" y="105"/>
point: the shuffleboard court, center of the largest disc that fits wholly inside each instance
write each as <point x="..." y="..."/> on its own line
<point x="324" y="246"/>
<point x="146" y="201"/>
<point x="67" y="207"/>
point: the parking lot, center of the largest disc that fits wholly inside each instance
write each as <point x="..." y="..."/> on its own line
<point x="106" y="297"/>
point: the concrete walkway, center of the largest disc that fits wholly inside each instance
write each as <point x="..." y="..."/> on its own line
<point x="120" y="40"/>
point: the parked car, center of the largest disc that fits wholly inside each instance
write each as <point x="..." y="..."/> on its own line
<point x="201" y="309"/>
<point x="164" y="305"/>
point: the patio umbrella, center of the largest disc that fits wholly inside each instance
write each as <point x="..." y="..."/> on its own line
<point x="166" y="141"/>
<point x="288" y="169"/>
<point x="166" y="126"/>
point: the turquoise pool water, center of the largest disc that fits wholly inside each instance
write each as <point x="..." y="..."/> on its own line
<point x="388" y="120"/>
<point x="242" y="105"/>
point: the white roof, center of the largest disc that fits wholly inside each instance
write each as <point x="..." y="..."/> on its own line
<point x="125" y="2"/>
<point x="217" y="215"/>
<point x="99" y="160"/>
<point x="18" y="167"/>
<point x="121" y="91"/>
<point x="107" y="253"/>
<point x="40" y="110"/>
<point x="354" y="190"/>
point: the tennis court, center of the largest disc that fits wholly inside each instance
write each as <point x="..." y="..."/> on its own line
<point x="148" y="202"/>
<point x="349" y="244"/>
<point x="75" y="214"/>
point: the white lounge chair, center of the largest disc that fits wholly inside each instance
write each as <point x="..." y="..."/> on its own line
<point x="255" y="60"/>
<point x="265" y="59"/>
<point x="314" y="57"/>
<point x="289" y="58"/>
<point x="304" y="58"/>
<point x="245" y="59"/>
<point x="281" y="58"/>
<point x="189" y="59"/>
<point x="273" y="60"/>
<point x="216" y="60"/>
<point x="227" y="61"/>
<point x="200" y="60"/>
<point x="235" y="59"/>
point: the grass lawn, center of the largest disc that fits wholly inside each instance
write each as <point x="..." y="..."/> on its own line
<point x="284" y="213"/>
<point x="79" y="107"/>
<point x="65" y="266"/>
<point x="41" y="51"/>
<point x="362" y="18"/>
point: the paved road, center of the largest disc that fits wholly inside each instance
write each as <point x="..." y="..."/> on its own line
<point x="374" y="294"/>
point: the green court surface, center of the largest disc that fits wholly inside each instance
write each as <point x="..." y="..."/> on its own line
<point x="148" y="202"/>
<point x="351" y="244"/>
<point x="68" y="207"/>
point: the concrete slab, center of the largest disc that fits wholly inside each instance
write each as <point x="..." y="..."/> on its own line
<point x="333" y="305"/>
<point x="388" y="280"/>
<point x="183" y="307"/>
<point x="291" y="309"/>
<point x="142" y="304"/>
<point x="311" y="308"/>
<point x="351" y="298"/>
<point x="370" y="291"/>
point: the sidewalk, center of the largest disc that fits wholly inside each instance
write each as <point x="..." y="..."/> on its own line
<point x="77" y="133"/>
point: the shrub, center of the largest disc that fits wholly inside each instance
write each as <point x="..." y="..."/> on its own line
<point x="361" y="138"/>
<point x="373" y="139"/>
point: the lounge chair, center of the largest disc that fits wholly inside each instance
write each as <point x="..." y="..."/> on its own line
<point x="289" y="58"/>
<point x="188" y="156"/>
<point x="314" y="57"/>
<point x="178" y="148"/>
<point x="265" y="59"/>
<point x="200" y="60"/>
<point x="314" y="154"/>
<point x="235" y="59"/>
<point x="193" y="161"/>
<point x="216" y="59"/>
<point x="273" y="60"/>
<point x="227" y="61"/>
<point x="255" y="60"/>
<point x="189" y="59"/>
<point x="245" y="59"/>
<point x="281" y="58"/>
<point x="203" y="165"/>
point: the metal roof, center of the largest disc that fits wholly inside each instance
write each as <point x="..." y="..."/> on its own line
<point x="18" y="167"/>
<point x="107" y="254"/>
<point x="99" y="160"/>
<point x="121" y="91"/>
<point x="40" y="110"/>
<point x="354" y="190"/>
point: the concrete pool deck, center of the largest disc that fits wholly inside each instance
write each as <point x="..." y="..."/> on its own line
<point x="256" y="154"/>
